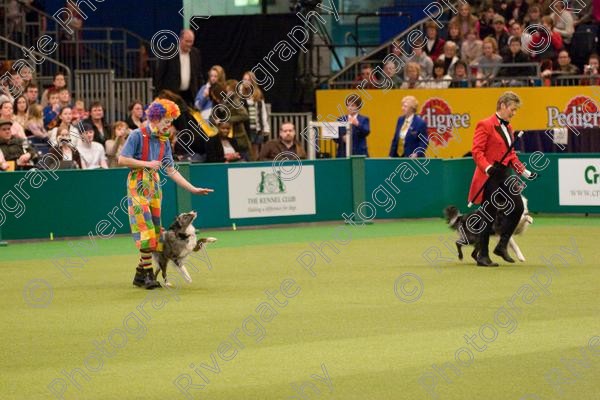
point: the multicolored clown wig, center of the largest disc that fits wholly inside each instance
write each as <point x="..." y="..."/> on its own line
<point x="165" y="111"/>
<point x="162" y="108"/>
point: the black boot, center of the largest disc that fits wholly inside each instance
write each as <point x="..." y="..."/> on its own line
<point x="145" y="278"/>
<point x="483" y="258"/>
<point x="502" y="250"/>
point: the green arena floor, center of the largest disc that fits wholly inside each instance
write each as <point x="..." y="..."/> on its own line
<point x="370" y="318"/>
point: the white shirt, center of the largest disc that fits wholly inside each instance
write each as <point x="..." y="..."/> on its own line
<point x="227" y="147"/>
<point x="406" y="126"/>
<point x="92" y="154"/>
<point x="505" y="131"/>
<point x="186" y="70"/>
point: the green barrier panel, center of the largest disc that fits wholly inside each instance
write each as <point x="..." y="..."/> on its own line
<point x="72" y="205"/>
<point x="76" y="202"/>
<point x="333" y="192"/>
<point x="416" y="186"/>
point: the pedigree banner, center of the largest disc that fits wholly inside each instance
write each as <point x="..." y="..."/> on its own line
<point x="452" y="114"/>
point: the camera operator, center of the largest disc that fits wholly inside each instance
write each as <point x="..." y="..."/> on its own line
<point x="591" y="70"/>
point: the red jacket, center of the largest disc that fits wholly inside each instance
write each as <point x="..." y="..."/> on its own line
<point x="489" y="145"/>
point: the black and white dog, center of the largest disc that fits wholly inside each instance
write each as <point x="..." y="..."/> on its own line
<point x="178" y="242"/>
<point x="457" y="221"/>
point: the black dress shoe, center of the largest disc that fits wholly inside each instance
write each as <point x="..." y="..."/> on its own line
<point x="502" y="252"/>
<point x="485" y="262"/>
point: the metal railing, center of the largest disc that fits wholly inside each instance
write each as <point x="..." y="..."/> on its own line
<point x="38" y="68"/>
<point x="93" y="48"/>
<point x="115" y="94"/>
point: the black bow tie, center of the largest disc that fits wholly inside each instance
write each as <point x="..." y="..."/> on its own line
<point x="503" y="121"/>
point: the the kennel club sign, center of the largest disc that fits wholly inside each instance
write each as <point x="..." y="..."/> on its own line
<point x="579" y="181"/>
<point x="261" y="192"/>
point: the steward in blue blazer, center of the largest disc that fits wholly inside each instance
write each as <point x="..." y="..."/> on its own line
<point x="360" y="128"/>
<point x="410" y="137"/>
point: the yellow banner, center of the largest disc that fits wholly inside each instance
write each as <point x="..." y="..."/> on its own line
<point x="452" y="114"/>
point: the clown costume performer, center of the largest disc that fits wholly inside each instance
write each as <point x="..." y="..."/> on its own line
<point x="146" y="151"/>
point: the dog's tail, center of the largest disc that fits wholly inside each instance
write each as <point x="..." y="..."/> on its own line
<point x="452" y="213"/>
<point x="200" y="242"/>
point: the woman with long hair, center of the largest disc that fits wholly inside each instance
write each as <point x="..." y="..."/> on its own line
<point x="203" y="101"/>
<point x="64" y="121"/>
<point x="35" y="123"/>
<point x="64" y="150"/>
<point x="258" y="126"/>
<point x="115" y="144"/>
<point x="20" y="108"/>
<point x="135" y="119"/>
<point x="7" y="113"/>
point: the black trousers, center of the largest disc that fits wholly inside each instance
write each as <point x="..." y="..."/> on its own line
<point x="503" y="206"/>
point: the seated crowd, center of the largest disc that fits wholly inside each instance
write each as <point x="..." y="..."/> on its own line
<point x="221" y="131"/>
<point x="479" y="40"/>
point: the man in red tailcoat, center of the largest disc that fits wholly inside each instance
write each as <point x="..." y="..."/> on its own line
<point x="493" y="137"/>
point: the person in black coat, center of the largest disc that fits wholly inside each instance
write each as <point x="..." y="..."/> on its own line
<point x="181" y="74"/>
<point x="221" y="148"/>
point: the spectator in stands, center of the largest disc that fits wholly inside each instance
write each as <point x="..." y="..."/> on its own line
<point x="51" y="110"/>
<point x="440" y="79"/>
<point x="64" y="97"/>
<point x="365" y="79"/>
<point x="471" y="48"/>
<point x="460" y="78"/>
<point x="591" y="70"/>
<point x="221" y="148"/>
<point x="391" y="69"/>
<point x="35" y="123"/>
<point x="32" y="93"/>
<point x="564" y="64"/>
<point x="450" y="56"/>
<point x="516" y="10"/>
<point x="454" y="34"/>
<point x="136" y="117"/>
<point x="487" y="64"/>
<point x="65" y="121"/>
<point x="81" y="110"/>
<point x="96" y="120"/>
<point x="258" y="126"/>
<point x="285" y="143"/>
<point x="413" y="77"/>
<point x="543" y="36"/>
<point x="435" y="44"/>
<point x="514" y="56"/>
<point x="359" y="128"/>
<point x="516" y="30"/>
<point x="230" y="104"/>
<point x="202" y="101"/>
<point x="464" y="20"/>
<point x="92" y="153"/>
<point x="114" y="145"/>
<point x="27" y="74"/>
<point x="181" y="74"/>
<point x="17" y="84"/>
<point x="563" y="21"/>
<point x="500" y="34"/>
<point x="486" y="22"/>
<point x="7" y="114"/>
<point x="190" y="138"/>
<point x="534" y="16"/>
<point x="410" y="137"/>
<point x="64" y="150"/>
<point x="58" y="83"/>
<point x="420" y="57"/>
<point x="20" y="108"/>
<point x="14" y="148"/>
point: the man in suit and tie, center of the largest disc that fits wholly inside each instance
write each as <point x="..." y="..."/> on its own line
<point x="410" y="137"/>
<point x="181" y="74"/>
<point x="493" y="137"/>
<point x="359" y="128"/>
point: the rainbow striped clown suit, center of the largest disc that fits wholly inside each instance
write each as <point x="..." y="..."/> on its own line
<point x="144" y="193"/>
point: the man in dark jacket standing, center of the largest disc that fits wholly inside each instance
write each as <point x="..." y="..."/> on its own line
<point x="181" y="74"/>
